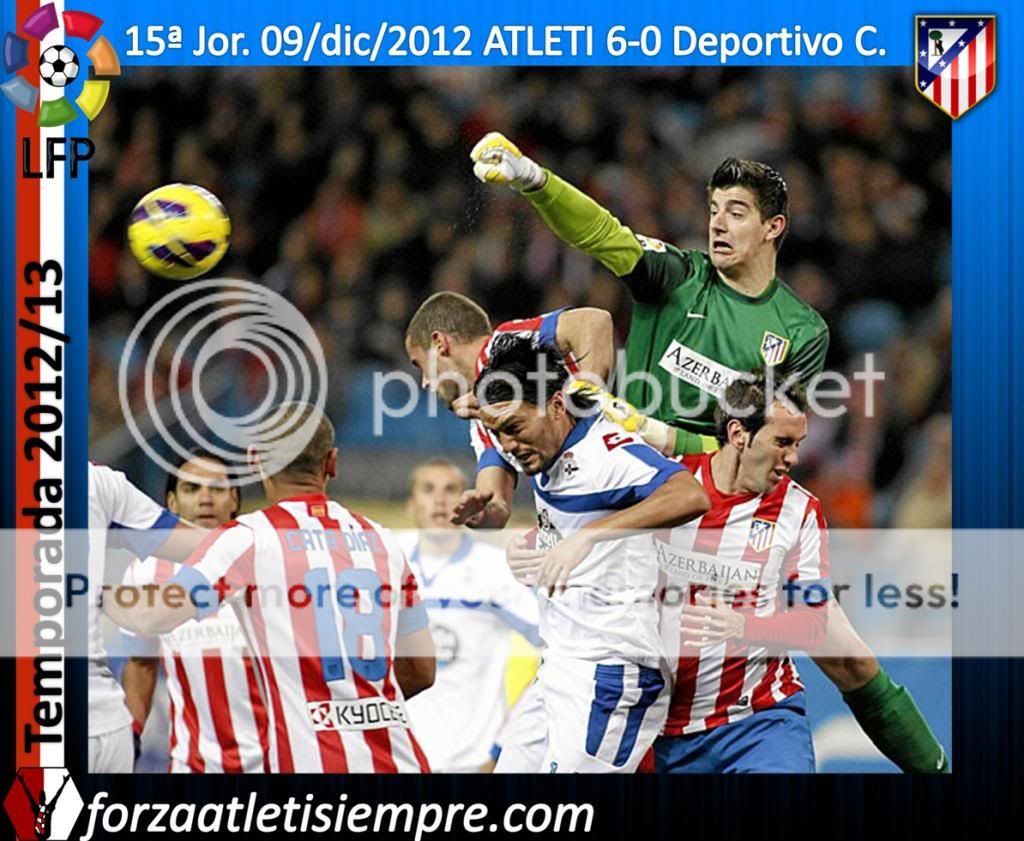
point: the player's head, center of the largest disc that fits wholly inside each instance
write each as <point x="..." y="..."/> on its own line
<point x="199" y="490"/>
<point x="297" y="447"/>
<point x="442" y="341"/>
<point x="748" y="212"/>
<point x="763" y="428"/>
<point x="434" y="488"/>
<point x="522" y="401"/>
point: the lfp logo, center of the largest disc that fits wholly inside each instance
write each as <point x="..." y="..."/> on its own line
<point x="59" y="66"/>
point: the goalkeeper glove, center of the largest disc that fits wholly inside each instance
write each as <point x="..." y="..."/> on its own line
<point x="497" y="160"/>
<point x="659" y="435"/>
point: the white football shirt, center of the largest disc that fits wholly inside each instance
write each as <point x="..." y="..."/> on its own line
<point x="473" y="604"/>
<point x="608" y="612"/>
<point x="120" y="515"/>
<point x="218" y="718"/>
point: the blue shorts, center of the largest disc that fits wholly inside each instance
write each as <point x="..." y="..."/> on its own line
<point x="772" y="741"/>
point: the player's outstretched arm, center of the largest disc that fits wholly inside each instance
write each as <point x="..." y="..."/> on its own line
<point x="139" y="682"/>
<point x="181" y="541"/>
<point x="524" y="558"/>
<point x="589" y="335"/>
<point x="658" y="434"/>
<point x="678" y="500"/>
<point x="152" y="609"/>
<point x="415" y="662"/>
<point x="489" y="504"/>
<point x="572" y="215"/>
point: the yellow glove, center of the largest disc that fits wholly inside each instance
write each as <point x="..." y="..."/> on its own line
<point x="659" y="435"/>
<point x="497" y="160"/>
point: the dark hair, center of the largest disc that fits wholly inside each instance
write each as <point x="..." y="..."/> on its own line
<point x="747" y="400"/>
<point x="451" y="313"/>
<point x="765" y="182"/>
<point x="519" y="371"/>
<point x="193" y="454"/>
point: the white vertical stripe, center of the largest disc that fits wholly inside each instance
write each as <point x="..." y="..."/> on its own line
<point x="272" y="582"/>
<point x="243" y="716"/>
<point x="709" y="679"/>
<point x="780" y="671"/>
<point x="736" y="531"/>
<point x="245" y="617"/>
<point x="236" y="705"/>
<point x="775" y="688"/>
<point x="609" y="746"/>
<point x="944" y="81"/>
<point x="405" y="755"/>
<point x="51" y="247"/>
<point x="791" y="515"/>
<point x="209" y="748"/>
<point x="177" y="723"/>
<point x="754" y="670"/>
<point x="771" y="582"/>
<point x="963" y="71"/>
<point x="358" y="753"/>
<point x="980" y="59"/>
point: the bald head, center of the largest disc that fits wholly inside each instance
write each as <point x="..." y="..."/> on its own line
<point x="296" y="443"/>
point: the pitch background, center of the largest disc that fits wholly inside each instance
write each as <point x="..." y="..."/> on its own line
<point x="988" y="454"/>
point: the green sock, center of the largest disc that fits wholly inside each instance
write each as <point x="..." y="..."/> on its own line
<point x="887" y="713"/>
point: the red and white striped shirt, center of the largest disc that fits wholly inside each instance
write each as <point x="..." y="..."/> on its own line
<point x="543" y="331"/>
<point x="218" y="718"/>
<point x="747" y="546"/>
<point x="323" y="595"/>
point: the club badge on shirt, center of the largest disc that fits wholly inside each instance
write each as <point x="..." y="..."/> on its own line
<point x="774" y="348"/>
<point x="761" y="533"/>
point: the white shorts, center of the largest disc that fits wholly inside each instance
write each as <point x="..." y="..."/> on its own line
<point x="112" y="753"/>
<point x="523" y="738"/>
<point x="602" y="717"/>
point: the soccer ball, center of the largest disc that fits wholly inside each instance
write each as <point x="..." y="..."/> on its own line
<point x="58" y="66"/>
<point x="179" y="231"/>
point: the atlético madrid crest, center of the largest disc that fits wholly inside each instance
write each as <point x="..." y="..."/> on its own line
<point x="761" y="533"/>
<point x="956" y="60"/>
<point x="773" y="348"/>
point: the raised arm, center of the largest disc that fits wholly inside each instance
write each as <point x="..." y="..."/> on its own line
<point x="679" y="499"/>
<point x="488" y="505"/>
<point x="152" y="609"/>
<point x="220" y="566"/>
<point x="415" y="663"/>
<point x="139" y="681"/>
<point x="572" y="215"/>
<point x="588" y="334"/>
<point x="181" y="541"/>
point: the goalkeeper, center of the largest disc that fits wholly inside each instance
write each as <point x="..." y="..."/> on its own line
<point x="700" y="319"/>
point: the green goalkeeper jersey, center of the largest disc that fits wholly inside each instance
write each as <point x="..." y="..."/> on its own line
<point x="691" y="333"/>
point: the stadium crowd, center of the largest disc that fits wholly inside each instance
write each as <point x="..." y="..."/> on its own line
<point x="350" y="192"/>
